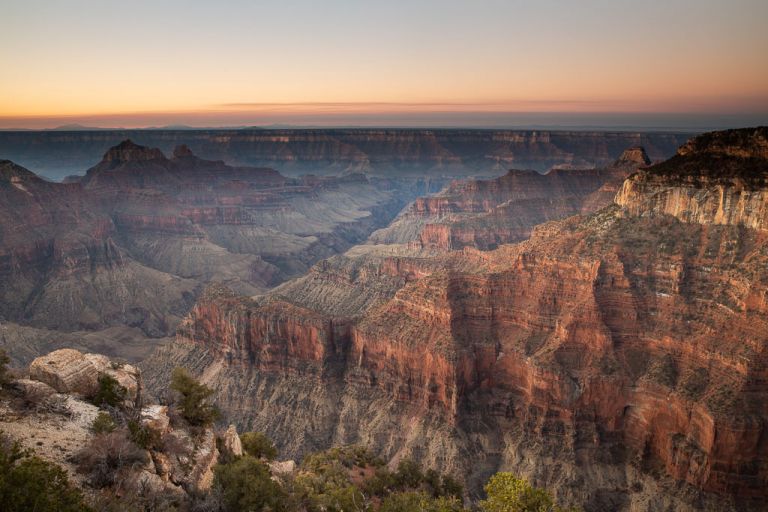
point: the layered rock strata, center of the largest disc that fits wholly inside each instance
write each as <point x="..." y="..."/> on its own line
<point x="618" y="358"/>
<point x="393" y="152"/>
<point x="487" y="213"/>
<point x="135" y="240"/>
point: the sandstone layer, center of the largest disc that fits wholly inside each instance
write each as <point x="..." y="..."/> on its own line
<point x="618" y="358"/>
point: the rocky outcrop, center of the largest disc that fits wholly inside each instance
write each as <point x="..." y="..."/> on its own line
<point x="155" y="417"/>
<point x="487" y="213"/>
<point x="206" y="456"/>
<point x="128" y="151"/>
<point x="69" y="371"/>
<point x="618" y="358"/>
<point x="718" y="178"/>
<point x="634" y="156"/>
<point x="231" y="442"/>
<point x="57" y="424"/>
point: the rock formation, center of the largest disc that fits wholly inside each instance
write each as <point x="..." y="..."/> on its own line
<point x="393" y="152"/>
<point x="69" y="371"/>
<point x="714" y="179"/>
<point x="618" y="357"/>
<point x="56" y="424"/>
<point x="133" y="242"/>
<point x="487" y="213"/>
<point x="231" y="442"/>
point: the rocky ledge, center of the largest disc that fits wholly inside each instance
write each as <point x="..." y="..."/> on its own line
<point x="51" y="411"/>
<point x="717" y="178"/>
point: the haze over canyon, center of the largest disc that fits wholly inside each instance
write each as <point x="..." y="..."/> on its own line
<point x="569" y="325"/>
<point x="402" y="256"/>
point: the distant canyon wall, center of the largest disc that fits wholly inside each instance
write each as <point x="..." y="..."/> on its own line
<point x="56" y="154"/>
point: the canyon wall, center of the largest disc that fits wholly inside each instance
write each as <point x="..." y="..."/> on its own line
<point x="711" y="180"/>
<point x="487" y="213"/>
<point x="133" y="242"/>
<point x="617" y="357"/>
<point x="392" y="152"/>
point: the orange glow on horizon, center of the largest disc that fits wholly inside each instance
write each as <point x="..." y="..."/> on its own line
<point x="248" y="61"/>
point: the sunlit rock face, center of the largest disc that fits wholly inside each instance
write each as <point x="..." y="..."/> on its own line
<point x="618" y="357"/>
<point x="716" y="179"/>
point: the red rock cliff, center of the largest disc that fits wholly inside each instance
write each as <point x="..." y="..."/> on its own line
<point x="607" y="356"/>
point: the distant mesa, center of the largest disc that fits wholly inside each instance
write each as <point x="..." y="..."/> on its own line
<point x="77" y="128"/>
<point x="128" y="151"/>
<point x="182" y="151"/>
<point x="634" y="155"/>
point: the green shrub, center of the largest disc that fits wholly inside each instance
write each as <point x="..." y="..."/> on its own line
<point x="110" y="392"/>
<point x="380" y="484"/>
<point x="193" y="402"/>
<point x="103" y="424"/>
<point x="508" y="493"/>
<point x="28" y="483"/>
<point x="451" y="487"/>
<point x="408" y="474"/>
<point x="331" y="491"/>
<point x="412" y="501"/>
<point x="5" y="377"/>
<point x="346" y="456"/>
<point x="403" y="502"/>
<point x="246" y="485"/>
<point x="258" y="445"/>
<point x="143" y="436"/>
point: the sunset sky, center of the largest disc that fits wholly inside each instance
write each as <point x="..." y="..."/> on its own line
<point x="415" y="62"/>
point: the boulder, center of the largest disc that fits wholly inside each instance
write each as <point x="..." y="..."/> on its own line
<point x="231" y="442"/>
<point x="33" y="391"/>
<point x="156" y="418"/>
<point x="70" y="371"/>
<point x="67" y="371"/>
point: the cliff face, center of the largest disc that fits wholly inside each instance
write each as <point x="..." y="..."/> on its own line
<point x="431" y="153"/>
<point x="134" y="240"/>
<point x="714" y="179"/>
<point x="618" y="358"/>
<point x="487" y="213"/>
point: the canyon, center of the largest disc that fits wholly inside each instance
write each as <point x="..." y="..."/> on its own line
<point x="616" y="356"/>
<point x="487" y="213"/>
<point x="125" y="249"/>
<point x="384" y="152"/>
<point x="598" y="328"/>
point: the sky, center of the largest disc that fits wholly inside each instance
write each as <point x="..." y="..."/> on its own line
<point x="670" y="63"/>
